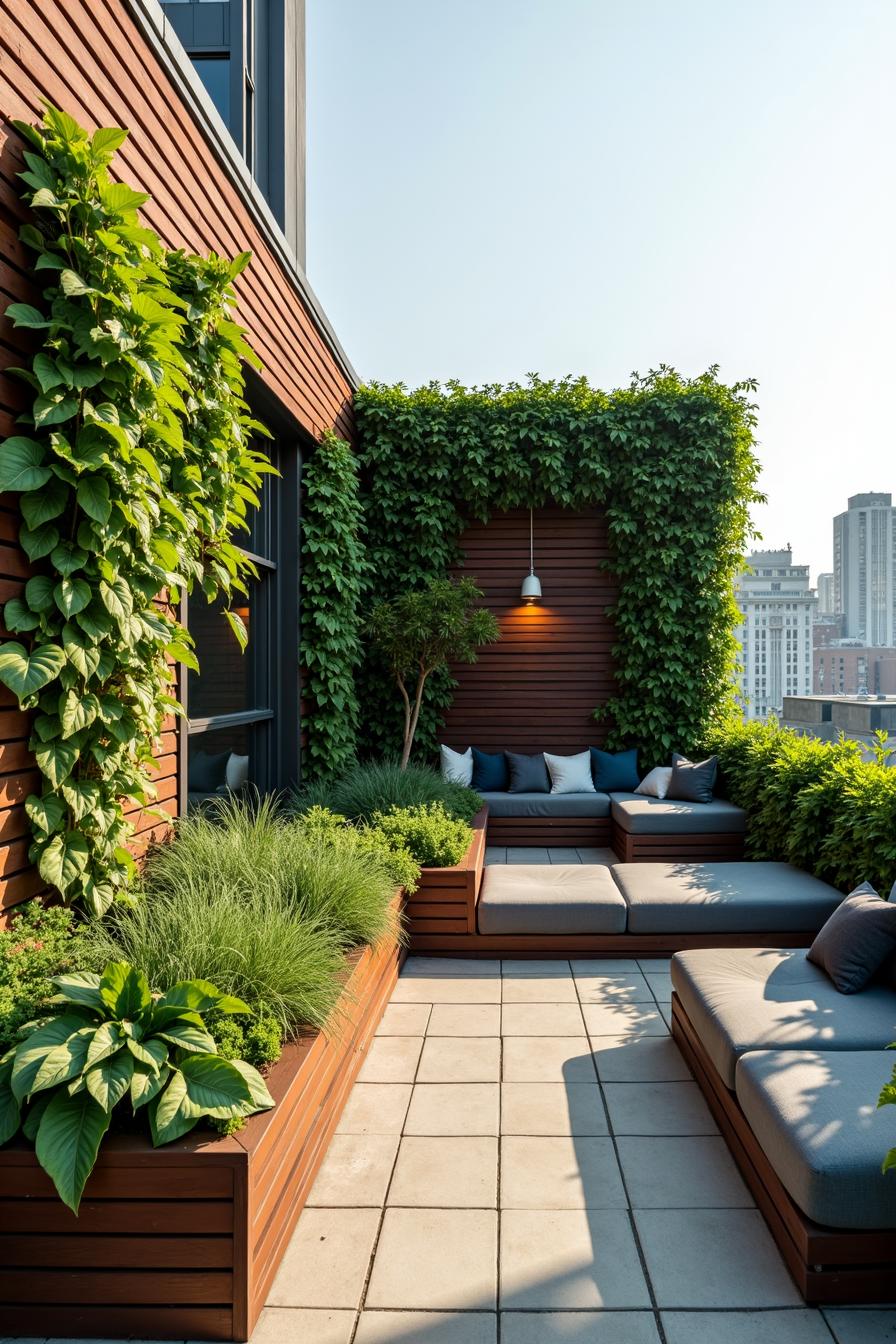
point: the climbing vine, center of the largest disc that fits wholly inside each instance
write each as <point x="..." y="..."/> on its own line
<point x="333" y="567"/>
<point x="671" y="461"/>
<point x="136" y="470"/>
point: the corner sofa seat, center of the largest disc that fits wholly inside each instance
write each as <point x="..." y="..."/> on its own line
<point x="550" y="899"/>
<point x="723" y="898"/>
<point x="743" y="999"/>
<point x="640" y="815"/>
<point x="547" y="804"/>
<point x="815" y="1118"/>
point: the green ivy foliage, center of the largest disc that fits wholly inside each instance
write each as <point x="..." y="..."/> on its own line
<point x="818" y="805"/>
<point x="333" y="568"/>
<point x="135" y="468"/>
<point x="671" y="460"/>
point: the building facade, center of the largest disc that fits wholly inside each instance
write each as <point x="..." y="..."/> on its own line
<point x="865" y="568"/>
<point x="777" y="607"/>
<point x="848" y="668"/>
<point x="826" y="595"/>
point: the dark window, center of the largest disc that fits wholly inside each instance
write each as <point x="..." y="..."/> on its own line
<point x="214" y="71"/>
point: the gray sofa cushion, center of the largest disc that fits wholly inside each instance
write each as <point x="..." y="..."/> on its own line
<point x="550" y="898"/>
<point x="815" y="1117"/>
<point x="747" y="998"/>
<point x="640" y="815"/>
<point x="723" y="898"/>
<point x="547" y="804"/>
<point x="857" y="940"/>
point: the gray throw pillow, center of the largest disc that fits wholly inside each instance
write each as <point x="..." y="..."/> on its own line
<point x="692" y="781"/>
<point x="857" y="939"/>
<point x="528" y="774"/>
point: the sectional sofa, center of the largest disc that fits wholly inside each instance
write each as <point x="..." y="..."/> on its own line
<point x="792" y="1070"/>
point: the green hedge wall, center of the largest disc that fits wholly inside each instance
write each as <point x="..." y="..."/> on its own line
<point x="672" y="461"/>
<point x="815" y="804"/>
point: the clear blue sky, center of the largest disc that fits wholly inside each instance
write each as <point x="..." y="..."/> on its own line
<point x="579" y="186"/>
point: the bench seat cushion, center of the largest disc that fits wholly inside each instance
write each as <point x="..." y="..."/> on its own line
<point x="547" y="804"/>
<point x="723" y="898"/>
<point x="640" y="815"/>
<point x="550" y="898"/>
<point x="815" y="1117"/>
<point x="746" y="998"/>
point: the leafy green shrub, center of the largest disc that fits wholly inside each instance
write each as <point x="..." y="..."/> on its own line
<point x="113" y="1039"/>
<point x="815" y="804"/>
<point x="378" y="786"/>
<point x="39" y="943"/>
<point x="404" y="868"/>
<point x="435" y="839"/>
<point x="257" y="1040"/>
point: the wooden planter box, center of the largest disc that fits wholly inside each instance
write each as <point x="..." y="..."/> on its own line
<point x="445" y="900"/>
<point x="183" y="1242"/>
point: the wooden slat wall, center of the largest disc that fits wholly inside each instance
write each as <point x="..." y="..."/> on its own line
<point x="89" y="57"/>
<point x="536" y="689"/>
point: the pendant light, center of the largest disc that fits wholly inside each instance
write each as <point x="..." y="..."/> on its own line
<point x="531" y="590"/>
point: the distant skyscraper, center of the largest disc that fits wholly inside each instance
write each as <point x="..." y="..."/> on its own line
<point x="826" y="595"/>
<point x="865" y="568"/>
<point x="777" y="607"/>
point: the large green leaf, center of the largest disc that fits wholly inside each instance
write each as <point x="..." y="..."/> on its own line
<point x="152" y="1053"/>
<point x="52" y="409"/>
<point x="93" y="496"/>
<point x="214" y="1085"/>
<point x="147" y="1083"/>
<point x="55" y="759"/>
<point x="31" y="1052"/>
<point x="10" y="1109"/>
<point x="22" y="463"/>
<point x="25" y="673"/>
<point x="63" y="859"/>
<point x="39" y="592"/>
<point x="64" y="1062"/>
<point x="172" y="1114"/>
<point x="107" y="1040"/>
<point x="188" y="1037"/>
<point x="125" y="990"/>
<point x="45" y="504"/>
<point x="68" y="1140"/>
<point x="18" y="618"/>
<point x="72" y="595"/>
<point x="80" y="987"/>
<point x="199" y="996"/>
<point x="110" y="1079"/>
<point x="39" y="541"/>
<point x="47" y="813"/>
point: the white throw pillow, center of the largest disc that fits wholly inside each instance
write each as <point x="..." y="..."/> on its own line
<point x="457" y="766"/>
<point x="570" y="774"/>
<point x="656" y="784"/>
<point x="237" y="771"/>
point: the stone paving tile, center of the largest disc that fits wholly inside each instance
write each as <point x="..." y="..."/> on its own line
<point x="685" y="1172"/>
<point x="597" y="854"/>
<point x="538" y="989"/>
<point x="569" y="1259"/>
<point x="431" y="1327"/>
<point x="447" y="989"/>
<point x="438" y="1259"/>
<point x="560" y="1173"/>
<point x="614" y="987"/>
<point x="527" y="854"/>
<point x="496" y="854"/>
<point x="291" y="1325"/>
<point x="448" y="1173"/>
<point x="453" y="1108"/>
<point x="624" y="1019"/>
<point x="658" y="1108"/>
<point x="513" y="967"/>
<point x="552" y="1108"/>
<point x="547" y="1059"/>
<point x="713" y="1258"/>
<point x="450" y="967"/>
<point x="326" y="1262"/>
<point x="604" y="966"/>
<point x="375" y="1108"/>
<point x="355" y="1172"/>
<point x="455" y="1059"/>
<point x="542" y="1019"/>
<point x="579" y="1327"/>
<point x="465" y="1019"/>
<point x="861" y="1325"/>
<point x="405" y="1019"/>
<point x="644" y="1059"/>
<point x="560" y="854"/>
<point x="745" y="1327"/>
<point x="391" y="1059"/>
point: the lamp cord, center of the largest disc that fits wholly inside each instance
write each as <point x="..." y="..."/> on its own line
<point x="531" y="543"/>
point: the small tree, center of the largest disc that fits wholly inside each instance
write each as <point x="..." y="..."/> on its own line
<point x="422" y="631"/>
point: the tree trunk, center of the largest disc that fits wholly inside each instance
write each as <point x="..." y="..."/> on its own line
<point x="411" y="725"/>
<point x="408" y="733"/>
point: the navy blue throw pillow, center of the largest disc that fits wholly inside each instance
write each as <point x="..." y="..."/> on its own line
<point x="528" y="774"/>
<point x="489" y="771"/>
<point x="615" y="771"/>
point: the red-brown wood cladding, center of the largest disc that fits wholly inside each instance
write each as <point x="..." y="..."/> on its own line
<point x="90" y="58"/>
<point x="536" y="689"/>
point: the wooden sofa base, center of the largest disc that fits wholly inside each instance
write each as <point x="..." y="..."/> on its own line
<point x="184" y="1241"/>
<point x="563" y="945"/>
<point x="828" y="1265"/>
<point x="565" y="832"/>
<point x="677" y="848"/>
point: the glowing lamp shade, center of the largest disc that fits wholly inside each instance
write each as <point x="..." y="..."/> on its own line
<point x="531" y="589"/>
